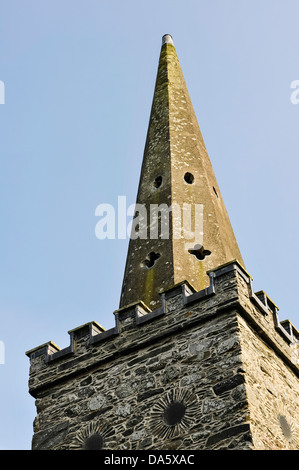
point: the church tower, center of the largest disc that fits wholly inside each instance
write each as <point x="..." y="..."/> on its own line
<point x="196" y="359"/>
<point x="183" y="227"/>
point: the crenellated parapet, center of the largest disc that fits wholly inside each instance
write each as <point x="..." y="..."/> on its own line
<point x="182" y="308"/>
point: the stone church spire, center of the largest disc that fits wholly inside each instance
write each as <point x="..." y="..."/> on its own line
<point x="181" y="228"/>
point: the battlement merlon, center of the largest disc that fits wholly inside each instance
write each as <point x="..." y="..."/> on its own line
<point x="182" y="307"/>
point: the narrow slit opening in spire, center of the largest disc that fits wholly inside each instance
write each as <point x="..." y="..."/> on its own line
<point x="214" y="189"/>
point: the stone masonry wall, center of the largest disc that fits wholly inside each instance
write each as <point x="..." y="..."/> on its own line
<point x="174" y="378"/>
<point x="273" y="392"/>
<point x="127" y="397"/>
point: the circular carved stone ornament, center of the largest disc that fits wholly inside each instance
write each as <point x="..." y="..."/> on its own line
<point x="173" y="414"/>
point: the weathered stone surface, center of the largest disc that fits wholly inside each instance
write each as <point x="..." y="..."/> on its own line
<point x="97" y="402"/>
<point x="230" y="378"/>
<point x="228" y="433"/>
<point x="51" y="437"/>
<point x="228" y="384"/>
<point x="176" y="155"/>
<point x="273" y="391"/>
<point x="123" y="410"/>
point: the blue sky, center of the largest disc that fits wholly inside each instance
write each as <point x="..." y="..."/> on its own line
<point x="79" y="79"/>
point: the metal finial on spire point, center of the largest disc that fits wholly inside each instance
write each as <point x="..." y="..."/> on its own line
<point x="167" y="39"/>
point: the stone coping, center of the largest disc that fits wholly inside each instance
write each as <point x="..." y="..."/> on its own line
<point x="141" y="314"/>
